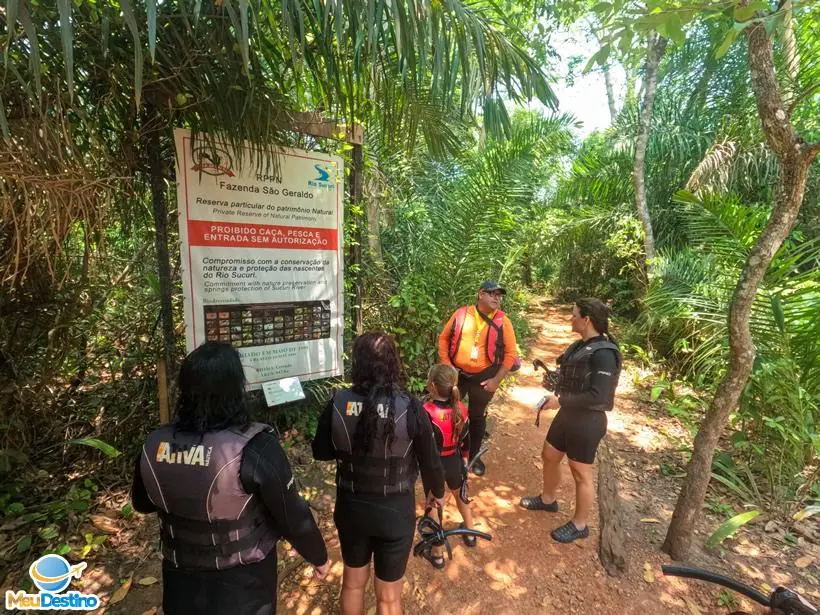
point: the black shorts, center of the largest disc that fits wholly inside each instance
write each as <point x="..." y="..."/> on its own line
<point x="378" y="529"/>
<point x="452" y="471"/>
<point x="577" y="433"/>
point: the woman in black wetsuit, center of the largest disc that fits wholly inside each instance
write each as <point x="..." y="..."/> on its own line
<point x="380" y="437"/>
<point x="223" y="489"/>
<point x="587" y="378"/>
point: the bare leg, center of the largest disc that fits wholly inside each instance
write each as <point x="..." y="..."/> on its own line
<point x="464" y="509"/>
<point x="551" y="457"/>
<point x="388" y="597"/>
<point x="354" y="583"/>
<point x="584" y="492"/>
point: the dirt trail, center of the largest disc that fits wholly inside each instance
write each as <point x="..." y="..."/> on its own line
<point x="521" y="570"/>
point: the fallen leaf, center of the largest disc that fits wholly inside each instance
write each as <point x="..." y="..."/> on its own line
<point x="804" y="562"/>
<point x="152" y="611"/>
<point x="771" y="526"/>
<point x="371" y="610"/>
<point x="649" y="520"/>
<point x="694" y="609"/>
<point x="648" y="575"/>
<point x="104" y="524"/>
<point x="122" y="592"/>
<point x="146" y="581"/>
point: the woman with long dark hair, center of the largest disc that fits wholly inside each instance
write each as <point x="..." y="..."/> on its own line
<point x="224" y="492"/>
<point x="588" y="373"/>
<point x="380" y="437"/>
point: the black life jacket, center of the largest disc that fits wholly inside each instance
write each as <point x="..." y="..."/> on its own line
<point x="385" y="469"/>
<point x="574" y="369"/>
<point x="208" y="520"/>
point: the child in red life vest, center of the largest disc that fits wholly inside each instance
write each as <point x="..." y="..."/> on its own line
<point x="450" y="428"/>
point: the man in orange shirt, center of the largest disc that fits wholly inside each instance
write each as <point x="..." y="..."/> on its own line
<point x="479" y="341"/>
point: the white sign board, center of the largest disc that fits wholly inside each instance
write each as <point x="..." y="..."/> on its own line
<point x="282" y="391"/>
<point x="261" y="257"/>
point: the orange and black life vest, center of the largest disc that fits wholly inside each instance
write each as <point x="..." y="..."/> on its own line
<point x="495" y="336"/>
<point x="442" y="420"/>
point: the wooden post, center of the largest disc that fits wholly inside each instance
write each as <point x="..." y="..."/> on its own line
<point x="162" y="389"/>
<point x="356" y="172"/>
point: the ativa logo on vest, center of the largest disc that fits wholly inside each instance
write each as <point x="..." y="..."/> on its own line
<point x="354" y="408"/>
<point x="170" y="452"/>
<point x="52" y="574"/>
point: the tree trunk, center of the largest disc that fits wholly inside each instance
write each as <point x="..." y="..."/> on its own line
<point x="160" y="211"/>
<point x="374" y="242"/>
<point x="610" y="95"/>
<point x="656" y="45"/>
<point x="611" y="549"/>
<point x="356" y="171"/>
<point x="794" y="157"/>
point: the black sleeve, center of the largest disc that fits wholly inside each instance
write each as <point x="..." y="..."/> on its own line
<point x="432" y="472"/>
<point x="322" y="446"/>
<point x="603" y="380"/>
<point x="139" y="495"/>
<point x="265" y="471"/>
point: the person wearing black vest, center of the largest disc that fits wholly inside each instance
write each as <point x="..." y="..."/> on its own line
<point x="225" y="495"/>
<point x="588" y="375"/>
<point x="380" y="437"/>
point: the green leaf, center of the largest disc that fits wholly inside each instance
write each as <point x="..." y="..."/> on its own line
<point x="807" y="512"/>
<point x="68" y="42"/>
<point x="127" y="511"/>
<point x="98" y="540"/>
<point x="49" y="532"/>
<point x="131" y="22"/>
<point x="24" y="544"/>
<point x="730" y="527"/>
<point x="744" y="13"/>
<point x="657" y="390"/>
<point x="63" y="549"/>
<point x="245" y="40"/>
<point x="197" y="10"/>
<point x="674" y="30"/>
<point x="600" y="57"/>
<point x="12" y="8"/>
<point x="151" y="8"/>
<point x="602" y="8"/>
<point x="777" y="311"/>
<point x="727" y="42"/>
<point x="105" y="448"/>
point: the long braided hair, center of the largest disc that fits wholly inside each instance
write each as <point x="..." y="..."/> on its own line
<point x="377" y="375"/>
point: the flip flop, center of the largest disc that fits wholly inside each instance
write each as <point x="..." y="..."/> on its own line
<point x="469" y="541"/>
<point x="568" y="532"/>
<point x="534" y="502"/>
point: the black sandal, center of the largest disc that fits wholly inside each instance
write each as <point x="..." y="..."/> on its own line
<point x="436" y="561"/>
<point x="568" y="532"/>
<point x="469" y="541"/>
<point x="534" y="502"/>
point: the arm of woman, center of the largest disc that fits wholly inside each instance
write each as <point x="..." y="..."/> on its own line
<point x="424" y="444"/>
<point x="322" y="446"/>
<point x="265" y="471"/>
<point x="139" y="494"/>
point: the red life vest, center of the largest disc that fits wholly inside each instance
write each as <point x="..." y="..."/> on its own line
<point x="442" y="420"/>
<point x="495" y="337"/>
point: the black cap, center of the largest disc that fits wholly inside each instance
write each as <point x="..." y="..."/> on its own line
<point x="491" y="286"/>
